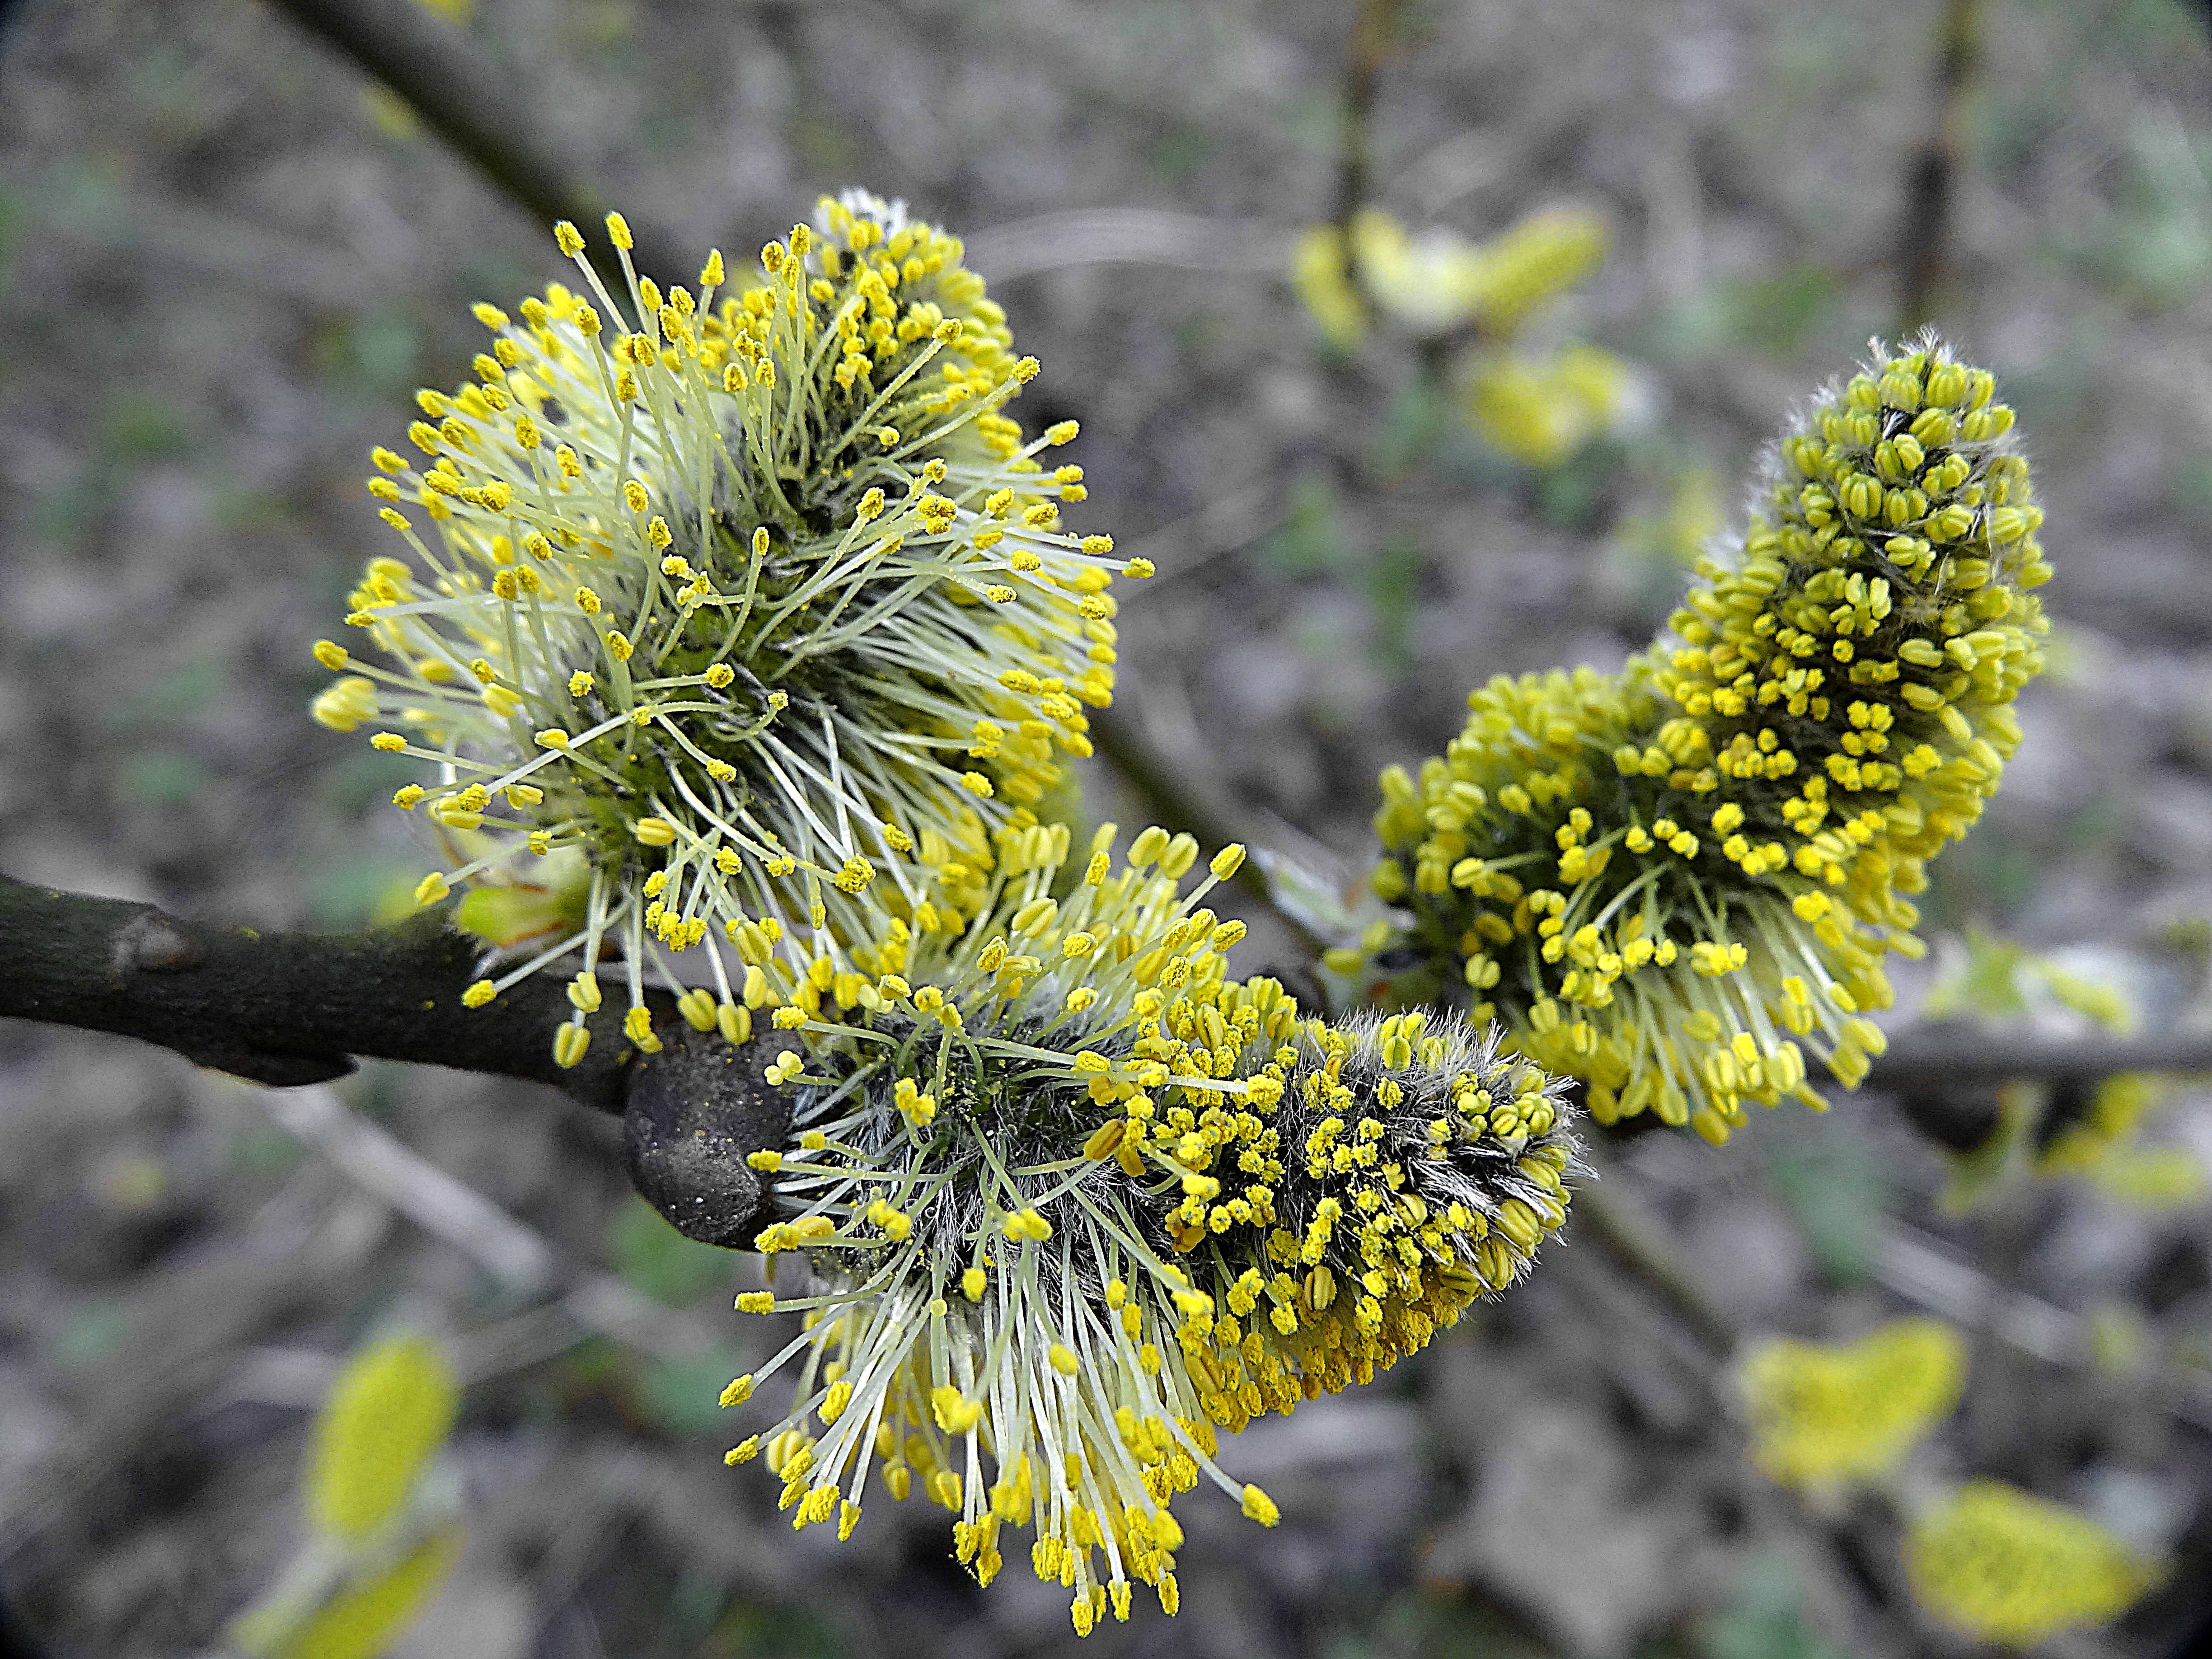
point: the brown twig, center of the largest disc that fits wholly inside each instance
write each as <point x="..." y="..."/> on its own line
<point x="438" y="70"/>
<point x="1639" y="1244"/>
<point x="1374" y="30"/>
<point x="289" y="1008"/>
<point x="1925" y="237"/>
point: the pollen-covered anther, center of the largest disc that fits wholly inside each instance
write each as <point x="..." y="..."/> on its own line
<point x="1627" y="869"/>
<point x="746" y="591"/>
<point x="1112" y="1201"/>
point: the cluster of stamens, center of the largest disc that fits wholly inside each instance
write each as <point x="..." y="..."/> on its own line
<point x="1070" y="1201"/>
<point x="732" y="618"/>
<point x="1672" y="881"/>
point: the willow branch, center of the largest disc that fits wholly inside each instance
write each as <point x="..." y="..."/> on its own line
<point x="1934" y="1057"/>
<point x="1374" y="29"/>
<point x="442" y="74"/>
<point x="289" y="1008"/>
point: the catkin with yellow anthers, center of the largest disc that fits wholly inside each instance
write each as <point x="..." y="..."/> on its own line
<point x="1824" y="1415"/>
<point x="792" y="650"/>
<point x="1677" y="883"/>
<point x="386" y="1414"/>
<point x="1076" y="1076"/>
<point x="1436" y="281"/>
<point x="2003" y="1565"/>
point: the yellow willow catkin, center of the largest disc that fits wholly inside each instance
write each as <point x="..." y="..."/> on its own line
<point x="726" y="617"/>
<point x="384" y="1419"/>
<point x="1069" y="1199"/>
<point x="1673" y="881"/>
<point x="1437" y="281"/>
<point x="2004" y="1565"/>
<point x="1538" y="406"/>
<point x="1822" y="1414"/>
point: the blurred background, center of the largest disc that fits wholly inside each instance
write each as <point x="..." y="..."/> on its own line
<point x="225" y="262"/>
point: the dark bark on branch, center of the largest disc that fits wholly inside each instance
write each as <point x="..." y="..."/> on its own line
<point x="1936" y="1057"/>
<point x="696" y="1110"/>
<point x="442" y="74"/>
<point x="289" y="1008"/>
<point x="294" y="1008"/>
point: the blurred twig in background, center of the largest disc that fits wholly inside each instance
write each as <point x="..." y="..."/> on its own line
<point x="1926" y="236"/>
<point x="1140" y="236"/>
<point x="431" y="64"/>
<point x="1639" y="1244"/>
<point x="521" y="1260"/>
<point x="1931" y="1056"/>
<point x="1374" y="32"/>
<point x="1169" y="800"/>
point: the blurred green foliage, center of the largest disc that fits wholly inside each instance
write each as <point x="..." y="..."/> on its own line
<point x="681" y="1397"/>
<point x="13" y="216"/>
<point x="655" y="1259"/>
<point x="1780" y="316"/>
<point x="1310" y="541"/>
<point x="375" y="354"/>
<point x="1831" y="1176"/>
<point x="753" y="1630"/>
<point x="1765" y="1618"/>
<point x="89" y="1334"/>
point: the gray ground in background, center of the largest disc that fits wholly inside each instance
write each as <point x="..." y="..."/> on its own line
<point x="220" y="280"/>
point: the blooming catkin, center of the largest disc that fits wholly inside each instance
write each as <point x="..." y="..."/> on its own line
<point x="1673" y="881"/>
<point x="2003" y="1565"/>
<point x="1438" y="282"/>
<point x="1822" y="1414"/>
<point x="1068" y="1197"/>
<point x="733" y="614"/>
<point x="1538" y="403"/>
